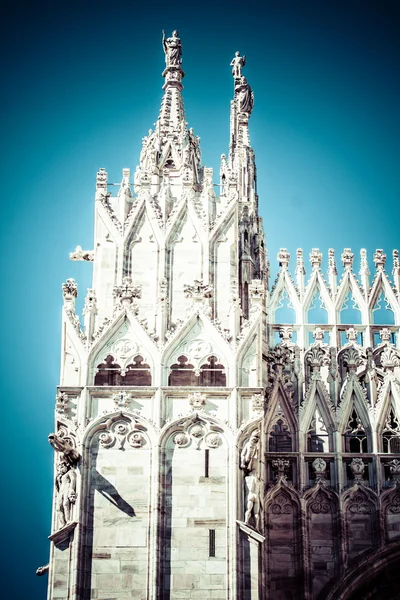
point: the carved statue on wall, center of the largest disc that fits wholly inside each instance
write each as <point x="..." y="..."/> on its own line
<point x="172" y="49"/>
<point x="66" y="492"/>
<point x="253" y="499"/>
<point x="249" y="453"/>
<point x="245" y="96"/>
<point x="237" y="63"/>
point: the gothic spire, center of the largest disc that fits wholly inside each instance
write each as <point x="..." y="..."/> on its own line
<point x="171" y="150"/>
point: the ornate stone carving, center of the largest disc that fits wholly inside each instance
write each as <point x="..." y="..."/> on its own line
<point x="283" y="258"/>
<point x="80" y="254"/>
<point x="281" y="468"/>
<point x="394" y="467"/>
<point x="198" y="291"/>
<point x="119" y="431"/>
<point x="66" y="492"/>
<point x="63" y="445"/>
<point x="320" y="504"/>
<point x="249" y="454"/>
<point x="256" y="288"/>
<point x="127" y="292"/>
<point x="385" y="335"/>
<point x="257" y="403"/>
<point x="90" y="302"/>
<point x="237" y="63"/>
<point x="319" y="468"/>
<point x="390" y="358"/>
<point x="315" y="258"/>
<point x="213" y="440"/>
<point x="122" y="399"/>
<point x="42" y="570"/>
<point x="357" y="467"/>
<point x="318" y="335"/>
<point x="359" y="505"/>
<point x="380" y="259"/>
<point x="197" y="401"/>
<point x="181" y="439"/>
<point x="281" y="505"/>
<point x="101" y="178"/>
<point x="70" y="290"/>
<point x="347" y="258"/>
<point x="61" y="402"/>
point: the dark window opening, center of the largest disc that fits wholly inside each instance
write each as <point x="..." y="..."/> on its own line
<point x="212" y="373"/>
<point x="280" y="439"/>
<point x="136" y="374"/>
<point x="182" y="373"/>
<point x="206" y="463"/>
<point x="211" y="542"/>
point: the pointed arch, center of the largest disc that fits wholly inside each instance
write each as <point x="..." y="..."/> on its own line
<point x="280" y="424"/>
<point x="197" y="340"/>
<point x="283" y="555"/>
<point x="123" y="339"/>
<point x="390" y="503"/>
<point x="322" y="523"/>
<point x="317" y="285"/>
<point x="361" y="523"/>
<point x="284" y="283"/>
<point x="381" y="285"/>
<point x="349" y="289"/>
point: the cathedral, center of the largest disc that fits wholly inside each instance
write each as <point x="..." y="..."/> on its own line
<point x="215" y="436"/>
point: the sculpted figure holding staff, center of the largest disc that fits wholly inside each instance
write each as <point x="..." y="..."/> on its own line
<point x="172" y="49"/>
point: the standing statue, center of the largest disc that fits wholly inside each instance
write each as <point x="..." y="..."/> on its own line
<point x="237" y="63"/>
<point x="253" y="499"/>
<point x="172" y="49"/>
<point x="249" y="453"/>
<point x="66" y="492"/>
<point x="245" y="96"/>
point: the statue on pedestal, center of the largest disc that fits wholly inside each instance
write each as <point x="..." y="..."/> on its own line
<point x="66" y="492"/>
<point x="237" y="63"/>
<point x="172" y="49"/>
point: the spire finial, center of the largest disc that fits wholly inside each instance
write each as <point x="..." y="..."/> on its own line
<point x="173" y="59"/>
<point x="237" y="63"/>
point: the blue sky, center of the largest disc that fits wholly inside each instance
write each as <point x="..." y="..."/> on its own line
<point x="81" y="86"/>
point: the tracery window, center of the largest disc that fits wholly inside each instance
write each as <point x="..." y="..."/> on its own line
<point x="317" y="435"/>
<point x="280" y="439"/>
<point x="182" y="373"/>
<point x="212" y="373"/>
<point x="355" y="435"/>
<point x="108" y="373"/>
<point x="137" y="373"/>
<point x="391" y="434"/>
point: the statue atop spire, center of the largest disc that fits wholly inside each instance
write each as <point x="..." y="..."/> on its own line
<point x="237" y="63"/>
<point x="172" y="49"/>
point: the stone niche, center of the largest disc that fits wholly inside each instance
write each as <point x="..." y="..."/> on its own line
<point x="193" y="543"/>
<point x="119" y="504"/>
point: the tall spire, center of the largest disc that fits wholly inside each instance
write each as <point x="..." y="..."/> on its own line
<point x="170" y="151"/>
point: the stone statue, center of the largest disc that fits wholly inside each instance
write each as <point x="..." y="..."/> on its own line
<point x="66" y="492"/>
<point x="245" y="96"/>
<point x="253" y="500"/>
<point x="172" y="49"/>
<point x="60" y="445"/>
<point x="249" y="452"/>
<point x="237" y="63"/>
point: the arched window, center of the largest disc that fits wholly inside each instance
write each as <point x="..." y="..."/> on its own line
<point x="137" y="373"/>
<point x="317" y="435"/>
<point x="182" y="373"/>
<point x="108" y="372"/>
<point x="280" y="439"/>
<point x="391" y="434"/>
<point x="355" y="436"/>
<point x="212" y="373"/>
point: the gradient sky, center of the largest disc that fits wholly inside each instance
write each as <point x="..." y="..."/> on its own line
<point x="81" y="86"/>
